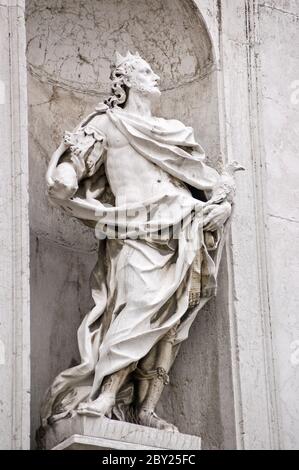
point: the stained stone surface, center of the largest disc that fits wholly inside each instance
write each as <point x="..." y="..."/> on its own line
<point x="82" y="432"/>
<point x="223" y="417"/>
<point x="63" y="88"/>
<point x="61" y="35"/>
<point x="279" y="23"/>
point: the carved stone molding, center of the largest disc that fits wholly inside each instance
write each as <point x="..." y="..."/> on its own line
<point x="14" y="232"/>
<point x="256" y="417"/>
<point x="75" y="433"/>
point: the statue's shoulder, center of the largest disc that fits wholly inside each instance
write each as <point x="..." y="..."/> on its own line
<point x="171" y="124"/>
<point x="97" y="120"/>
<point x="171" y="121"/>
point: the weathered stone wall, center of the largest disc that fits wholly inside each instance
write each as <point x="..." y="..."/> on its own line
<point x="14" y="233"/>
<point x="69" y="49"/>
<point x="236" y="381"/>
<point x="279" y="126"/>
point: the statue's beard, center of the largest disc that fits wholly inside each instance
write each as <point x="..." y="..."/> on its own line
<point x="152" y="92"/>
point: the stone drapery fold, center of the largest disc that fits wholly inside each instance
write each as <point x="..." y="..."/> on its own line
<point x="146" y="264"/>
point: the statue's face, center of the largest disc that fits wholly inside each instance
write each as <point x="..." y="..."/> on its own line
<point x="142" y="79"/>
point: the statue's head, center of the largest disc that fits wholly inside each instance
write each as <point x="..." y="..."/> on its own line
<point x="131" y="72"/>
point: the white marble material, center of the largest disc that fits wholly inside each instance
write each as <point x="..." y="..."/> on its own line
<point x="79" y="442"/>
<point x="81" y="433"/>
<point x="121" y="159"/>
<point x="61" y="246"/>
<point x="14" y="232"/>
<point x="279" y="122"/>
<point x="66" y="58"/>
<point x="225" y="110"/>
<point x="260" y="63"/>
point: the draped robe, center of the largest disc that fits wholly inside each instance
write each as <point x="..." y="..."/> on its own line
<point x="155" y="271"/>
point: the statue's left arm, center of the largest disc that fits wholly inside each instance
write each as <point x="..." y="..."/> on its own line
<point x="219" y="206"/>
<point x="215" y="215"/>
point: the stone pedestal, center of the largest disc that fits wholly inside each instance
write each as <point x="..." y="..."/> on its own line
<point x="88" y="433"/>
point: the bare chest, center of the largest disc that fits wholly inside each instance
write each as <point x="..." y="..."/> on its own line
<point x="115" y="139"/>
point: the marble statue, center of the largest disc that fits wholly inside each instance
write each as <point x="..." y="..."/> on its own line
<point x="161" y="215"/>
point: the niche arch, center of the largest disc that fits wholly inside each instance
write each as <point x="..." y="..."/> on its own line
<point x="70" y="44"/>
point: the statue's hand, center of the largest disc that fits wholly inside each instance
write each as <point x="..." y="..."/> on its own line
<point x="215" y="215"/>
<point x="63" y="184"/>
<point x="50" y="183"/>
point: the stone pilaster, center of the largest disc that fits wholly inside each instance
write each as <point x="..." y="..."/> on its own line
<point x="14" y="232"/>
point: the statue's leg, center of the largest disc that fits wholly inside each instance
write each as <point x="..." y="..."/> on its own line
<point x="152" y="381"/>
<point x="105" y="401"/>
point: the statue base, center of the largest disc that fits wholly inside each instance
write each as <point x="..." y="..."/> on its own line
<point x="88" y="433"/>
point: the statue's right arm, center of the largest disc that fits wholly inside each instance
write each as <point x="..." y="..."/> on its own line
<point x="53" y="164"/>
<point x="85" y="146"/>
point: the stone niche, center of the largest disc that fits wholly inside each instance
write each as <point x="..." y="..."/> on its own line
<point x="70" y="45"/>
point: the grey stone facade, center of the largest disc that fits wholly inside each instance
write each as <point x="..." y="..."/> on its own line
<point x="229" y="69"/>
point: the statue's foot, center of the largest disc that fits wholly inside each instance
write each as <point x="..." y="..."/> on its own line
<point x="150" y="419"/>
<point x="102" y="406"/>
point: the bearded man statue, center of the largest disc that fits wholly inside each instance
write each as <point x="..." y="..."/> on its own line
<point x="161" y="215"/>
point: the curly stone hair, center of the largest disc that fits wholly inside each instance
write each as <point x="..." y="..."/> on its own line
<point x="119" y="75"/>
<point x="119" y="90"/>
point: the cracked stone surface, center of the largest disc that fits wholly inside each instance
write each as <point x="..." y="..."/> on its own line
<point x="115" y="433"/>
<point x="72" y="42"/>
<point x="64" y="85"/>
<point x="279" y="100"/>
<point x="69" y="49"/>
